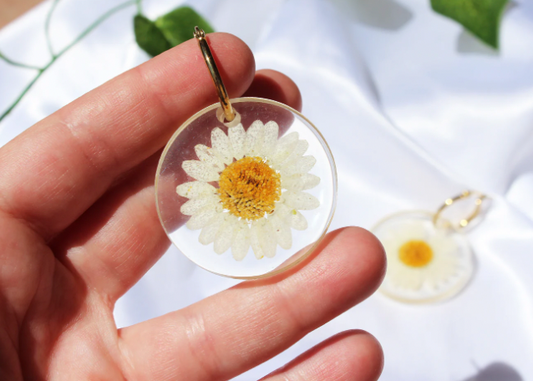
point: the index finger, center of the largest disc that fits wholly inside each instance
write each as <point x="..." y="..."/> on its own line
<point x="55" y="170"/>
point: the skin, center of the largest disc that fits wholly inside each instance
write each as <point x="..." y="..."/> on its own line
<point x="78" y="228"/>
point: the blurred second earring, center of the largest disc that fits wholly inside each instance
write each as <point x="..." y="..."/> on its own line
<point x="428" y="255"/>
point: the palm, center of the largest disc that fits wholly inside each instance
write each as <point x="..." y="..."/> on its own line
<point x="78" y="228"/>
<point x="67" y="330"/>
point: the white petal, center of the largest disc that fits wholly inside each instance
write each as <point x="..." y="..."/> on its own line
<point x="256" y="237"/>
<point x="299" y="149"/>
<point x="206" y="155"/>
<point x="268" y="242"/>
<point x="237" y="136"/>
<point x="209" y="232"/>
<point x="282" y="232"/>
<point x="201" y="219"/>
<point x="271" y="131"/>
<point x="195" y="189"/>
<point x="221" y="146"/>
<point x="225" y="235"/>
<point x="411" y="279"/>
<point x="283" y="149"/>
<point x="254" y="138"/>
<point x="411" y="230"/>
<point x="444" y="243"/>
<point x="297" y="220"/>
<point x="443" y="267"/>
<point x="300" y="182"/>
<point x="300" y="200"/>
<point x="241" y="242"/>
<point x="195" y="205"/>
<point x="281" y="211"/>
<point x="262" y="239"/>
<point x="301" y="165"/>
<point x="199" y="171"/>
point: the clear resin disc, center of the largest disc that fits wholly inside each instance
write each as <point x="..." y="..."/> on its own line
<point x="424" y="263"/>
<point x="247" y="198"/>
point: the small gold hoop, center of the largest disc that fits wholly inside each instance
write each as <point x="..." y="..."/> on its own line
<point x="465" y="221"/>
<point x="199" y="34"/>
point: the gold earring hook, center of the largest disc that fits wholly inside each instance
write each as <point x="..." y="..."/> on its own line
<point x="465" y="221"/>
<point x="199" y="34"/>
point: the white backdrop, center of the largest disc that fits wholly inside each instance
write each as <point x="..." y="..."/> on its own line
<point x="415" y="110"/>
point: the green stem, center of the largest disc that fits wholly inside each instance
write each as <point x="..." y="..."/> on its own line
<point x="47" y="27"/>
<point x="100" y="20"/>
<point x="49" y="43"/>
<point x="21" y="95"/>
<point x="139" y="8"/>
<point x="91" y="27"/>
<point x="19" y="64"/>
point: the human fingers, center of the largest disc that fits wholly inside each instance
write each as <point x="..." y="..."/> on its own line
<point x="233" y="331"/>
<point x="352" y="355"/>
<point x="55" y="170"/>
<point x="119" y="238"/>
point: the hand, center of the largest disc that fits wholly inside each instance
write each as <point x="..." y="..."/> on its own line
<point x="78" y="228"/>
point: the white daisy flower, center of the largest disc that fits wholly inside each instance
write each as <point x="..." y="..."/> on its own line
<point x="249" y="189"/>
<point x="419" y="258"/>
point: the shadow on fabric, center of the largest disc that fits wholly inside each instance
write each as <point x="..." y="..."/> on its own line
<point x="380" y="14"/>
<point x="497" y="371"/>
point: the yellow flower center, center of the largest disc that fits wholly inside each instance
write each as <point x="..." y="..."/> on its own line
<point x="415" y="253"/>
<point x="249" y="188"/>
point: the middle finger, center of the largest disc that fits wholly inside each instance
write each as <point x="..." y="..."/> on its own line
<point x="239" y="328"/>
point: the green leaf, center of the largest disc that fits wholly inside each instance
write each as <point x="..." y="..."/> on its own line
<point x="149" y="37"/>
<point x="178" y="25"/>
<point x="481" y="17"/>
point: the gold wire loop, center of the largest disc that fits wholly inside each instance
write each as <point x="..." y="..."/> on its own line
<point x="199" y="34"/>
<point x="465" y="221"/>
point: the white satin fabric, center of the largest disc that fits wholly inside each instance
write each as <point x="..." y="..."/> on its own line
<point x="415" y="110"/>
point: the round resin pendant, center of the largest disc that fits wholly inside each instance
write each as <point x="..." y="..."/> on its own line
<point x="247" y="198"/>
<point x="425" y="263"/>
